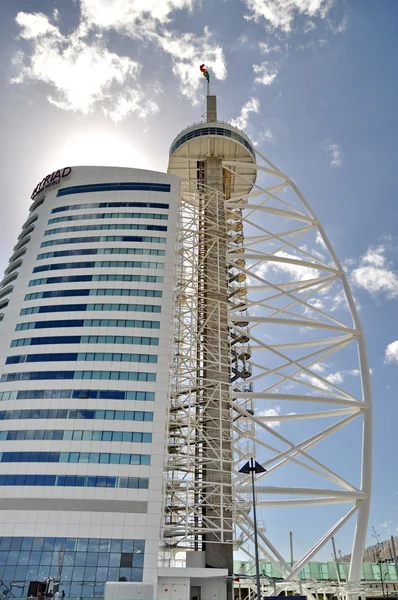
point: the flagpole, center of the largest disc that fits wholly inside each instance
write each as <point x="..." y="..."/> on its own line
<point x="208" y="87"/>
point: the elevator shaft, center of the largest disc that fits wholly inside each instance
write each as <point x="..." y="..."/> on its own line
<point x="217" y="441"/>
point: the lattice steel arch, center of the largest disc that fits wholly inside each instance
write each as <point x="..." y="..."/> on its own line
<point x="294" y="292"/>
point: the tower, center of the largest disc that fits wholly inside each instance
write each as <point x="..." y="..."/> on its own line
<point x="261" y="300"/>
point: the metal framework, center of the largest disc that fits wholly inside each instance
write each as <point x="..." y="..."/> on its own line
<point x="291" y="320"/>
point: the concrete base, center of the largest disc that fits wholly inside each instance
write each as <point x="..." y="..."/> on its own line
<point x="192" y="583"/>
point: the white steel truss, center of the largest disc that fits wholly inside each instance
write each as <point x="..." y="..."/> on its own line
<point x="298" y="317"/>
<point x="292" y="322"/>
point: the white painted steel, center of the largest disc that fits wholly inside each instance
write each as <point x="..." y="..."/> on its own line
<point x="289" y="301"/>
<point x="291" y="316"/>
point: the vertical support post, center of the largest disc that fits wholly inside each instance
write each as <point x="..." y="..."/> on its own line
<point x="291" y="549"/>
<point x="336" y="561"/>
<point x="211" y="109"/>
<point x="258" y="583"/>
<point x="394" y="555"/>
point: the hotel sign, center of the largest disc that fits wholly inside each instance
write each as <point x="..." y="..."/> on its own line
<point x="52" y="179"/>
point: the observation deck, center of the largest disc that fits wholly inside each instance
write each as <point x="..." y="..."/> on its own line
<point x="215" y="139"/>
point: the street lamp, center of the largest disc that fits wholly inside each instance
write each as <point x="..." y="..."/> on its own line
<point x="253" y="467"/>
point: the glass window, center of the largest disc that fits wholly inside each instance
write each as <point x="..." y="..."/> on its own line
<point x="78" y="573"/>
<point x="114" y="559"/>
<point x="104" y="545"/>
<point x="92" y="559"/>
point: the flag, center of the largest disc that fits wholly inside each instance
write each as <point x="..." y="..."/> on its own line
<point x="205" y="72"/>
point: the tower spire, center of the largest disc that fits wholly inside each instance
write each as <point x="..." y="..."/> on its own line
<point x="211" y="109"/>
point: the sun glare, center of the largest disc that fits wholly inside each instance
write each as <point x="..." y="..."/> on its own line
<point x="101" y="149"/>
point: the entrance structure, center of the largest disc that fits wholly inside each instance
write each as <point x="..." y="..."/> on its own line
<point x="264" y="317"/>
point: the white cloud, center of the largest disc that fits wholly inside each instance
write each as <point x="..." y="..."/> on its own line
<point x="148" y="20"/>
<point x="340" y="27"/>
<point x="375" y="257"/>
<point x="374" y="274"/>
<point x="265" y="49"/>
<point x="318" y="368"/>
<point x="251" y="106"/>
<point x="354" y="372"/>
<point x="335" y="378"/>
<point x="309" y="26"/>
<point x="267" y="134"/>
<point x="132" y="15"/>
<point x="82" y="73"/>
<point x="391" y="354"/>
<point x="271" y="412"/>
<point x="280" y="14"/>
<point x="188" y="52"/>
<point x="334" y="152"/>
<point x="266" y="73"/>
<point x="132" y="102"/>
<point x="296" y="272"/>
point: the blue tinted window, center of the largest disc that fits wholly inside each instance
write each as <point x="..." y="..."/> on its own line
<point x="94" y="292"/>
<point x="110" y="205"/>
<point x="82" y="356"/>
<point x="131" y="264"/>
<point x="90" y="216"/>
<point x="51" y="375"/>
<point x="89" y="323"/>
<point x="105" y="238"/>
<point x="114" y="187"/>
<point x="75" y="457"/>
<point x="95" y="251"/>
<point x="105" y="227"/>
<point x="79" y="394"/>
<point x="86" y="339"/>
<point x="220" y="131"/>
<point x="60" y="413"/>
<point x="80" y="278"/>
<point x="90" y="307"/>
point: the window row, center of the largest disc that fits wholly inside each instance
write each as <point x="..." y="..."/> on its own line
<point x="106" y="227"/>
<point x="76" y="457"/>
<point x="124" y="186"/>
<point x="80" y="394"/>
<point x="75" y="481"/>
<point x="52" y="308"/>
<point x="79" y="560"/>
<point x="72" y="558"/>
<point x="110" y="205"/>
<point x="89" y="323"/>
<point x="86" y="339"/>
<point x="69" y="413"/>
<point x="78" y="582"/>
<point x="94" y="292"/>
<point x="81" y="356"/>
<point x="113" y="264"/>
<point x="84" y="278"/>
<point x="104" y="238"/>
<point x="211" y="131"/>
<point x="76" y="435"/>
<point x="96" y="251"/>
<point x="56" y="544"/>
<point x="133" y="215"/>
<point x="51" y="375"/>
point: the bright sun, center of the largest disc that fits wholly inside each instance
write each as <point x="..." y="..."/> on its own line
<point x="101" y="149"/>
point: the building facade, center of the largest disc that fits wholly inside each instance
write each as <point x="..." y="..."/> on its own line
<point x="85" y="329"/>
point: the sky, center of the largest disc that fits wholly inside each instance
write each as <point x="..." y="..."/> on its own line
<point x="312" y="82"/>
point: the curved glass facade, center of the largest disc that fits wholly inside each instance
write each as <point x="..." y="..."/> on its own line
<point x="219" y="131"/>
